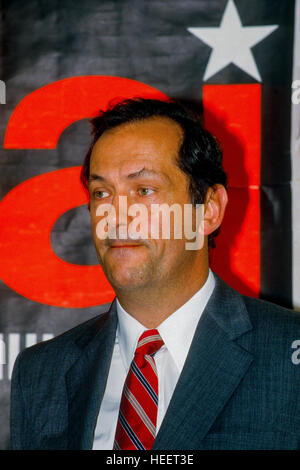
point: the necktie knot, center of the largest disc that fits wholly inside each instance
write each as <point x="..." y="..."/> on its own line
<point x="149" y="343"/>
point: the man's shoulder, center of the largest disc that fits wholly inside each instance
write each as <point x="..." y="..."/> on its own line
<point x="238" y="313"/>
<point x="261" y="312"/>
<point x="265" y="313"/>
<point x="270" y="333"/>
<point x="58" y="350"/>
<point x="275" y="333"/>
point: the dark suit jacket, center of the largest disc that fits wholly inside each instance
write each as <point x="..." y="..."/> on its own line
<point x="239" y="388"/>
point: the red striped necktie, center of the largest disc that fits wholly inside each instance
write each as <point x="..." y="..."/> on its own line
<point x="136" y="428"/>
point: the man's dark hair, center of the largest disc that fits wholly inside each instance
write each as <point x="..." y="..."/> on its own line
<point x="200" y="154"/>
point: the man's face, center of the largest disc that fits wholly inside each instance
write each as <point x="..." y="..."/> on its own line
<point x="138" y="160"/>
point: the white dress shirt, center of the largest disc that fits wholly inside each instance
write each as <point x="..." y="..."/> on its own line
<point x="177" y="332"/>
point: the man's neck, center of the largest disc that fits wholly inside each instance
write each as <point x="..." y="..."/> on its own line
<point x="153" y="305"/>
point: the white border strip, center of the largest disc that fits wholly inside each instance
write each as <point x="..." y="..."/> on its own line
<point x="295" y="154"/>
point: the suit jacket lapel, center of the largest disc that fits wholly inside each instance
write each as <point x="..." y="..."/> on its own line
<point x="87" y="377"/>
<point x="214" y="367"/>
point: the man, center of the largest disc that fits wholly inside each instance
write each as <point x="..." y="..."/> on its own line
<point x="181" y="360"/>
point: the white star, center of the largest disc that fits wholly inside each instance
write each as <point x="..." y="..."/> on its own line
<point x="231" y="43"/>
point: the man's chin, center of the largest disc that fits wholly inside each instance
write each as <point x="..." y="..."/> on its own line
<point x="127" y="284"/>
<point x="126" y="268"/>
<point x="127" y="278"/>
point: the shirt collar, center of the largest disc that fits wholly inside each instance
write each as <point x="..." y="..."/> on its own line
<point x="128" y="332"/>
<point x="176" y="331"/>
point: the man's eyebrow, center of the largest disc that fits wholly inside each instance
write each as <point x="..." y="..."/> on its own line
<point x="144" y="172"/>
<point x="94" y="177"/>
<point x="140" y="173"/>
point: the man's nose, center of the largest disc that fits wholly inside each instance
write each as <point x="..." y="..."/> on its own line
<point x="120" y="218"/>
<point x="120" y="204"/>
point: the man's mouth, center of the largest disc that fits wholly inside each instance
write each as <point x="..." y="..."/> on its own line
<point x="124" y="244"/>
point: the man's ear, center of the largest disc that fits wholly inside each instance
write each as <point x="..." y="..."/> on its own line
<point x="214" y="208"/>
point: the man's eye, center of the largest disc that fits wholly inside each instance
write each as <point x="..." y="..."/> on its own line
<point x="100" y="194"/>
<point x="145" y="191"/>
